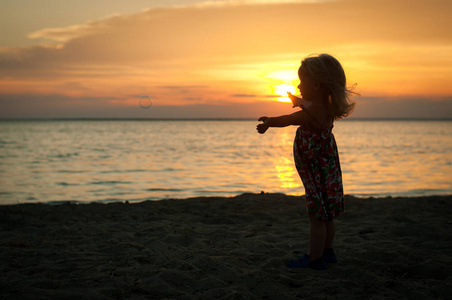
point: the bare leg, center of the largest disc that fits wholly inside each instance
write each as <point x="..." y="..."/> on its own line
<point x="330" y="233"/>
<point x="317" y="236"/>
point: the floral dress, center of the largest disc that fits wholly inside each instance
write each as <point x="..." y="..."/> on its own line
<point x="317" y="162"/>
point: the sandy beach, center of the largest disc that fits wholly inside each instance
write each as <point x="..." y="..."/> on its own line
<point x="224" y="248"/>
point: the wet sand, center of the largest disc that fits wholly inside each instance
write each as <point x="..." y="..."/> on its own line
<point x="224" y="248"/>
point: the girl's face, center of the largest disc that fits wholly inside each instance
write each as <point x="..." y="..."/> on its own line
<point x="307" y="87"/>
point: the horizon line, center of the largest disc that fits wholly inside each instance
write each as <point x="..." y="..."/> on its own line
<point x="209" y="119"/>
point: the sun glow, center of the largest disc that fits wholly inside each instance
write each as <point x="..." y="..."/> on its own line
<point x="280" y="91"/>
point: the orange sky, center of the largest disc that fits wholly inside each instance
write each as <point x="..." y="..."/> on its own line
<point x="231" y="59"/>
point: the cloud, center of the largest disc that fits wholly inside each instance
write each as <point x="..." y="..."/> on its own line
<point x="181" y="88"/>
<point x="213" y="53"/>
<point x="66" y="34"/>
<point x="252" y="2"/>
<point x="230" y="31"/>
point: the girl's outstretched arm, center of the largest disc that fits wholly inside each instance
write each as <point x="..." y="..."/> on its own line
<point x="297" y="118"/>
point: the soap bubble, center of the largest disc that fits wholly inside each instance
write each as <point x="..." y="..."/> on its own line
<point x="145" y="102"/>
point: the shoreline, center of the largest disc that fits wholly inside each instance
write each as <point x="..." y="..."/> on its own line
<point x="224" y="247"/>
<point x="189" y="198"/>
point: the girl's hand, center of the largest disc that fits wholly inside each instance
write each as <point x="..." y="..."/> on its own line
<point x="262" y="128"/>
<point x="294" y="99"/>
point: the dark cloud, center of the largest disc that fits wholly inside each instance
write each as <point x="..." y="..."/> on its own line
<point x="243" y="96"/>
<point x="60" y="106"/>
<point x="403" y="107"/>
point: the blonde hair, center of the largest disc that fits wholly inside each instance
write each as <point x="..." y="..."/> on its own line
<point x="327" y="70"/>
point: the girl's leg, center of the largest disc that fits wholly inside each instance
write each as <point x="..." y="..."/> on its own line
<point x="317" y="237"/>
<point x="330" y="227"/>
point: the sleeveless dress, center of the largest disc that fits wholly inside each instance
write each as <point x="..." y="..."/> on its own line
<point x="317" y="162"/>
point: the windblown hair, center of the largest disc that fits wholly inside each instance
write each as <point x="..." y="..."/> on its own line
<point x="327" y="70"/>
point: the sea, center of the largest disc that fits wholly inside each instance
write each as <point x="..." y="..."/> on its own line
<point x="55" y="161"/>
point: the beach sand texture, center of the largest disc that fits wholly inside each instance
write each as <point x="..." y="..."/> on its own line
<point x="224" y="248"/>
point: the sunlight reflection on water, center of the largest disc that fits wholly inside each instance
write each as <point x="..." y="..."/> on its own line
<point x="49" y="161"/>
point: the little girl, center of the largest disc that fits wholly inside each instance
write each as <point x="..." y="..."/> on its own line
<point x="323" y="90"/>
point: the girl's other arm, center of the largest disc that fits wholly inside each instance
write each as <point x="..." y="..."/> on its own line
<point x="295" y="100"/>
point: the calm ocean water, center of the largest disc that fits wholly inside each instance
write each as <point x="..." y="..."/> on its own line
<point x="85" y="161"/>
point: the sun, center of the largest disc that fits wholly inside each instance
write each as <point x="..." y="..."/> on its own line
<point x="280" y="91"/>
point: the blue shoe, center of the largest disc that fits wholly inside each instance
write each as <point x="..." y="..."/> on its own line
<point x="329" y="256"/>
<point x="301" y="262"/>
<point x="304" y="262"/>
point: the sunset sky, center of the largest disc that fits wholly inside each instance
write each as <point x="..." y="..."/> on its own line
<point x="219" y="59"/>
